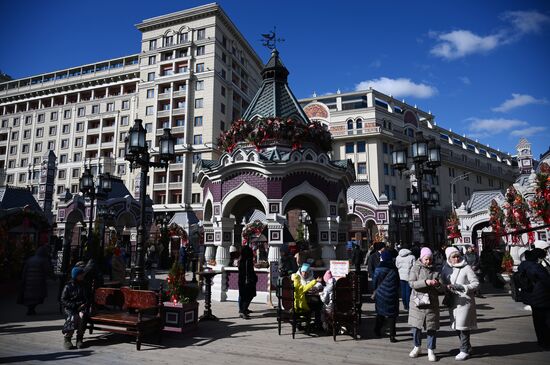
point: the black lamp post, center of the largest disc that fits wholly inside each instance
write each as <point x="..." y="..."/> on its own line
<point x="400" y="217"/>
<point x="137" y="153"/>
<point x="89" y="189"/>
<point x="426" y="156"/>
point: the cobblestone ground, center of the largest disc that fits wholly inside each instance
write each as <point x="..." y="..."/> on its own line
<point x="505" y="336"/>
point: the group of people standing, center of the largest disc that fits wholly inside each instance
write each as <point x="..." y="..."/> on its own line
<point x="420" y="283"/>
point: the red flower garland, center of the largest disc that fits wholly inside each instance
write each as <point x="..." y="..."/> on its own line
<point x="268" y="130"/>
<point x="452" y="227"/>
<point x="541" y="202"/>
<point x="496" y="218"/>
<point x="252" y="230"/>
<point x="517" y="215"/>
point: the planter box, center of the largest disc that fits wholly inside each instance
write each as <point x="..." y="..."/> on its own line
<point x="180" y="317"/>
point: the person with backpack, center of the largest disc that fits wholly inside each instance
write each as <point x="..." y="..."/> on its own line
<point x="404" y="263"/>
<point x="534" y="281"/>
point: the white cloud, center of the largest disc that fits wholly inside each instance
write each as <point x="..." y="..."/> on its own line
<point x="465" y="80"/>
<point x="517" y="101"/>
<point x="461" y="43"/>
<point x="527" y="132"/>
<point x="398" y="87"/>
<point x="526" y="22"/>
<point x="486" y="127"/>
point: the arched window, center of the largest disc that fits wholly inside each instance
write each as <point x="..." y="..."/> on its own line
<point x="350" y="126"/>
<point x="359" y="124"/>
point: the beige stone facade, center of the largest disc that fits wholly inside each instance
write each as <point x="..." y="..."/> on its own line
<point x="195" y="73"/>
<point x="368" y="125"/>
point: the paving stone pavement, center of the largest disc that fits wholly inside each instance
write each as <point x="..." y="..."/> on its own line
<point x="505" y="336"/>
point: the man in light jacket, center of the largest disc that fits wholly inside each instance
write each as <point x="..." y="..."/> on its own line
<point x="404" y="262"/>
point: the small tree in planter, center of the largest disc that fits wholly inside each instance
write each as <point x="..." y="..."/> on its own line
<point x="180" y="301"/>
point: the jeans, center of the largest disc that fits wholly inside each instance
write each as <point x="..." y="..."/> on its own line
<point x="464" y="337"/>
<point x="405" y="293"/>
<point x="417" y="338"/>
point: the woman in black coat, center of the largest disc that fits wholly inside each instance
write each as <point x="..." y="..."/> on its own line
<point x="386" y="285"/>
<point x="247" y="281"/>
<point x="537" y="295"/>
<point x="33" y="287"/>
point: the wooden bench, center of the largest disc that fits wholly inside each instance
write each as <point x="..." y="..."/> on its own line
<point x="127" y="311"/>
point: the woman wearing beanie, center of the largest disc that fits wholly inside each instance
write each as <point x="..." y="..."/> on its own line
<point x="461" y="282"/>
<point x="424" y="305"/>
<point x="386" y="288"/>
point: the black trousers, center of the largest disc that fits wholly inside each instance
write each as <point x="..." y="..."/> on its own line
<point x="380" y="323"/>
<point x="541" y="321"/>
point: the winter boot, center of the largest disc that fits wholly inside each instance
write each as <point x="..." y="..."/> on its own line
<point x="431" y="355"/>
<point x="415" y="352"/>
<point x="79" y="343"/>
<point x="67" y="344"/>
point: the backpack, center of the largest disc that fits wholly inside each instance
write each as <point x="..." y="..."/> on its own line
<point x="522" y="285"/>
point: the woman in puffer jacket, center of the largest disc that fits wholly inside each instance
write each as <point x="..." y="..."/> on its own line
<point x="462" y="282"/>
<point x="404" y="262"/>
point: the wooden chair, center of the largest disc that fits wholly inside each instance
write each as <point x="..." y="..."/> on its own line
<point x="285" y="307"/>
<point x="344" y="311"/>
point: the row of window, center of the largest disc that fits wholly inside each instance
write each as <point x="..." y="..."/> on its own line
<point x="54" y="115"/>
<point x="168" y="40"/>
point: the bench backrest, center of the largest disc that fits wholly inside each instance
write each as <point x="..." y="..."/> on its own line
<point x="126" y="298"/>
<point x="139" y="299"/>
<point x="343" y="295"/>
<point x="285" y="292"/>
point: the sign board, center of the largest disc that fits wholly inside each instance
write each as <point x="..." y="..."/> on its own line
<point x="339" y="268"/>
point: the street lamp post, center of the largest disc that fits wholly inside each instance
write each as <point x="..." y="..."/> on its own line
<point x="137" y="153"/>
<point x="453" y="182"/>
<point x="400" y="218"/>
<point x="89" y="189"/>
<point x="426" y="156"/>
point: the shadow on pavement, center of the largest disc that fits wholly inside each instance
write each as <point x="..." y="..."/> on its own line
<point x="18" y="329"/>
<point x="55" y="356"/>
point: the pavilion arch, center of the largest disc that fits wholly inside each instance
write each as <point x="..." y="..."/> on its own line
<point x="231" y="198"/>
<point x="126" y="219"/>
<point x="306" y="189"/>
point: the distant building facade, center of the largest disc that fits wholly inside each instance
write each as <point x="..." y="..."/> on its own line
<point x="368" y="125"/>
<point x="195" y="73"/>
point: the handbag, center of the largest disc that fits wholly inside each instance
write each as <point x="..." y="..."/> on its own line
<point x="448" y="299"/>
<point x="421" y="300"/>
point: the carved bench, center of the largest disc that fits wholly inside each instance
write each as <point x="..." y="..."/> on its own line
<point x="127" y="311"/>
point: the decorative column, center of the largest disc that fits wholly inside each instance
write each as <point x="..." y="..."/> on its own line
<point x="328" y="238"/>
<point x="210" y="249"/>
<point x="275" y="239"/>
<point x="223" y="237"/>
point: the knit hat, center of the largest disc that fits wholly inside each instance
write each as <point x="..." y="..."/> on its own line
<point x="76" y="271"/>
<point x="449" y="251"/>
<point x="386" y="255"/>
<point x="425" y="251"/>
<point x="327" y="276"/>
<point x="305" y="267"/>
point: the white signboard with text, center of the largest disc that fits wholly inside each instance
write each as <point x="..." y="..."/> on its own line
<point x="339" y="268"/>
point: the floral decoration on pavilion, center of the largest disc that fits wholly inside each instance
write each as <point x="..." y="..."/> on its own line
<point x="263" y="131"/>
<point x="175" y="230"/>
<point x="453" y="230"/>
<point x="252" y="230"/>
<point x="541" y="201"/>
<point x="517" y="215"/>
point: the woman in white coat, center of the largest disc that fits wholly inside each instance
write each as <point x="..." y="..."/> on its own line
<point x="462" y="282"/>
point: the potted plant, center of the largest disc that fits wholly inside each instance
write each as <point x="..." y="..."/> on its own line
<point x="180" y="310"/>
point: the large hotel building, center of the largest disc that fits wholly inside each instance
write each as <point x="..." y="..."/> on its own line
<point x="195" y="73"/>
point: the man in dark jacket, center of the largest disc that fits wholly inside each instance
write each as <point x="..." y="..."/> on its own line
<point x="374" y="258"/>
<point x="247" y="281"/>
<point x="537" y="295"/>
<point x="75" y="306"/>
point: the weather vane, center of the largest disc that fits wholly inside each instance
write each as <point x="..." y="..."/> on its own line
<point x="270" y="39"/>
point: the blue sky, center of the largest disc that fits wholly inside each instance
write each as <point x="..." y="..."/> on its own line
<point x="481" y="67"/>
